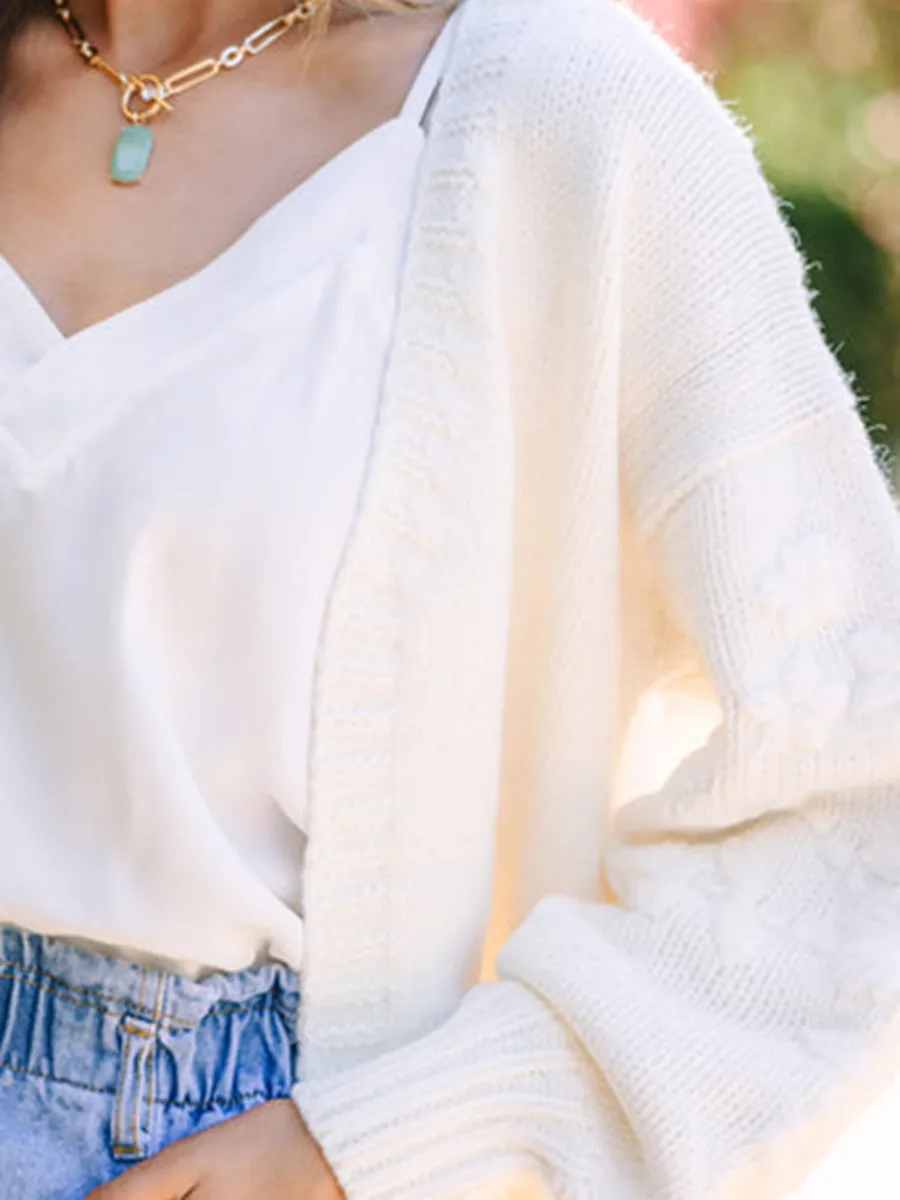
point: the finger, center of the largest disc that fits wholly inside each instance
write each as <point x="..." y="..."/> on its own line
<point x="165" y="1176"/>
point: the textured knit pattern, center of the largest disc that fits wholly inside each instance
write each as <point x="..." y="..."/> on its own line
<point x="615" y="453"/>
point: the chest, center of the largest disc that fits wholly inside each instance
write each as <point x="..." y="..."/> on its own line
<point x="228" y="152"/>
<point x="228" y="373"/>
<point x="89" y="249"/>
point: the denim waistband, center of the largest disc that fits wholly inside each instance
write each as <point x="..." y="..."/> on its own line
<point x="164" y="1051"/>
<point x="116" y="984"/>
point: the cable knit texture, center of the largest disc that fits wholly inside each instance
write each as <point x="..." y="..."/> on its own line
<point x="615" y="455"/>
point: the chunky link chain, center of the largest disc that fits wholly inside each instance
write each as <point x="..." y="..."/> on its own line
<point x="145" y="96"/>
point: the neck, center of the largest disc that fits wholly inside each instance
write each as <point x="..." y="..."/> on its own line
<point x="147" y="34"/>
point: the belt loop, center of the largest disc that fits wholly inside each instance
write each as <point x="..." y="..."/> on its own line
<point x="133" y="1111"/>
<point x="131" y="1135"/>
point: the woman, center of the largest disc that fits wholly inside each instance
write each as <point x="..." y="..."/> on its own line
<point x="443" y="388"/>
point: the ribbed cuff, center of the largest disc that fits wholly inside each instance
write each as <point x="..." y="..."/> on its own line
<point x="470" y="1108"/>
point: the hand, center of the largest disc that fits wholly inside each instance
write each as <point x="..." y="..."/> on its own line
<point x="266" y="1152"/>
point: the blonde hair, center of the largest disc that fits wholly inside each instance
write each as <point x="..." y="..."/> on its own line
<point x="327" y="8"/>
<point x="395" y="6"/>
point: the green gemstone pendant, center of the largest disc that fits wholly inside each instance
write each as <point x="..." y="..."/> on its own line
<point x="131" y="154"/>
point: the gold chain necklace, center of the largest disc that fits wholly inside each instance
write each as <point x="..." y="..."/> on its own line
<point x="146" y="96"/>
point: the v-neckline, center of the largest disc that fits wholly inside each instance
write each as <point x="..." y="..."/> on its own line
<point x="419" y="96"/>
<point x="64" y="397"/>
<point x="302" y="195"/>
<point x="69" y="390"/>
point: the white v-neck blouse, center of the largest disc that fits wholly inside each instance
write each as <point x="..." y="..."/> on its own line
<point x="176" y="486"/>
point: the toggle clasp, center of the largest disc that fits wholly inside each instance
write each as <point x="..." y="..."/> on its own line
<point x="149" y="94"/>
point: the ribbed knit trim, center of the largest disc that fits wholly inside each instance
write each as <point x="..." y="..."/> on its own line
<point x="450" y="1112"/>
<point x="427" y="406"/>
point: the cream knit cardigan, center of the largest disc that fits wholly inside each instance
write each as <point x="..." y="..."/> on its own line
<point x="614" y="453"/>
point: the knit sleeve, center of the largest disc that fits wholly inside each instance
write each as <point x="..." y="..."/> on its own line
<point x="710" y="1033"/>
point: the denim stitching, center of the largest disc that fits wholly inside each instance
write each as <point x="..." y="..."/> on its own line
<point x="221" y="1102"/>
<point x="130" y="1030"/>
<point x="84" y="1087"/>
<point x="139" y="1067"/>
<point x="132" y="1046"/>
<point x="154" y="1054"/>
<point x="274" y="998"/>
<point x="216" y="1102"/>
<point x="35" y="975"/>
<point x="117" y="1104"/>
<point x="143" y="1065"/>
<point x="102" y="1002"/>
<point x="99" y="1001"/>
<point x="219" y="1007"/>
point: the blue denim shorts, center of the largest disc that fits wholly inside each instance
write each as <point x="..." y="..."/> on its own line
<point x="103" y="1062"/>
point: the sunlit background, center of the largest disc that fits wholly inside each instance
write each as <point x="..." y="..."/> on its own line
<point x="819" y="83"/>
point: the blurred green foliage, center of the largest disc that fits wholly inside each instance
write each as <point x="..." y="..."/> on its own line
<point x="819" y="83"/>
<point x="853" y="282"/>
